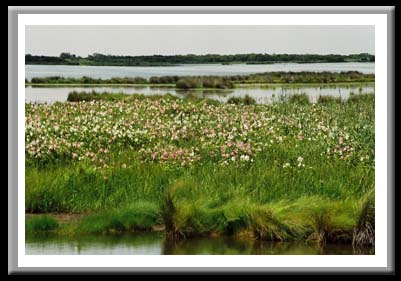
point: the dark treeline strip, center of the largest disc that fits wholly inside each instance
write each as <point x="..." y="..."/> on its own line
<point x="222" y="82"/>
<point x="100" y="59"/>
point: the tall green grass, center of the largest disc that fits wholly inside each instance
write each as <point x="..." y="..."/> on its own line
<point x="326" y="201"/>
<point x="40" y="224"/>
<point x="138" y="216"/>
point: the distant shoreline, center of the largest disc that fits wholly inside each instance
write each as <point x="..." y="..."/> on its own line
<point x="211" y="63"/>
<point x="175" y="60"/>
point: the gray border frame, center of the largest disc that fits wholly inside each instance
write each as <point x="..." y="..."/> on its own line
<point x="13" y="129"/>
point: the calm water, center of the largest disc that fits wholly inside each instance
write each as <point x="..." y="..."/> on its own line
<point x="156" y="244"/>
<point x="106" y="72"/>
<point x="261" y="95"/>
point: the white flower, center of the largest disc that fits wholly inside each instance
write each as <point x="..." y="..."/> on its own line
<point x="286" y="165"/>
<point x="244" y="158"/>
<point x="300" y="159"/>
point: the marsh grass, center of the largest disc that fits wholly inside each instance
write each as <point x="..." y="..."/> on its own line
<point x="40" y="224"/>
<point x="247" y="100"/>
<point x="75" y="96"/>
<point x="138" y="216"/>
<point x="266" y="226"/>
<point x="329" y="99"/>
<point x="210" y="81"/>
<point x="264" y="199"/>
<point x="300" y="99"/>
<point x="364" y="232"/>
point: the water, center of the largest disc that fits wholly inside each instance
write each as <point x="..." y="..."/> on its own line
<point x="106" y="72"/>
<point x="261" y="95"/>
<point x="156" y="244"/>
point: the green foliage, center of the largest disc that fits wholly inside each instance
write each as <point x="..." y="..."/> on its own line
<point x="328" y="99"/>
<point x="220" y="82"/>
<point x="275" y="172"/>
<point x="364" y="232"/>
<point x="138" y="216"/>
<point x="40" y="224"/>
<point x="247" y="100"/>
<point x="301" y="99"/>
<point x="100" y="59"/>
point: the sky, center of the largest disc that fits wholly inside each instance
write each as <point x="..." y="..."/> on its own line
<point x="173" y="40"/>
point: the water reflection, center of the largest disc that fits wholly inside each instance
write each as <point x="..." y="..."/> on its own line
<point x="155" y="244"/>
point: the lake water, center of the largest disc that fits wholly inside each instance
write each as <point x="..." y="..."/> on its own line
<point x="261" y="95"/>
<point x="156" y="244"/>
<point x="106" y="72"/>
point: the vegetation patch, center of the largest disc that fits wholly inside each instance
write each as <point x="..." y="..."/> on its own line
<point x="40" y="224"/>
<point x="283" y="171"/>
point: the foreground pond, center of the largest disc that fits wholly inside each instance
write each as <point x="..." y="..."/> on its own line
<point x="156" y="244"/>
<point x="261" y="95"/>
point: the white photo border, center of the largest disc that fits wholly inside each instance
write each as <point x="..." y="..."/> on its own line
<point x="379" y="259"/>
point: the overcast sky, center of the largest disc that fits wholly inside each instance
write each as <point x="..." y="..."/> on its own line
<point x="172" y="40"/>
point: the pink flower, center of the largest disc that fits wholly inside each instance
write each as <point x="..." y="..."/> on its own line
<point x="165" y="155"/>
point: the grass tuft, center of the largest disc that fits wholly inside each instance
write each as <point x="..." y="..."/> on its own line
<point x="301" y="99"/>
<point x="364" y="232"/>
<point x="41" y="223"/>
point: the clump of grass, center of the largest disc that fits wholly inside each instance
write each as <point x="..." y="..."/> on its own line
<point x="235" y="213"/>
<point x="247" y="100"/>
<point x="302" y="99"/>
<point x="361" y="98"/>
<point x="322" y="226"/>
<point x="191" y="82"/>
<point x="364" y="232"/>
<point x="188" y="83"/>
<point x="91" y="96"/>
<point x="330" y="223"/>
<point x="266" y="226"/>
<point x="168" y="211"/>
<point x="139" y="216"/>
<point x="140" y="97"/>
<point x="40" y="224"/>
<point x="193" y="99"/>
<point x="328" y="99"/>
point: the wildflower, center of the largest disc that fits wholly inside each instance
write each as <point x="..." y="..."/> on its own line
<point x="244" y="158"/>
<point x="300" y="164"/>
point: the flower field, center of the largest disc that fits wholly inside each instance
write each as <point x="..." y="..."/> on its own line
<point x="223" y="168"/>
<point x="184" y="133"/>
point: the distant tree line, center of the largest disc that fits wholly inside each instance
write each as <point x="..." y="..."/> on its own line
<point x="110" y="60"/>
